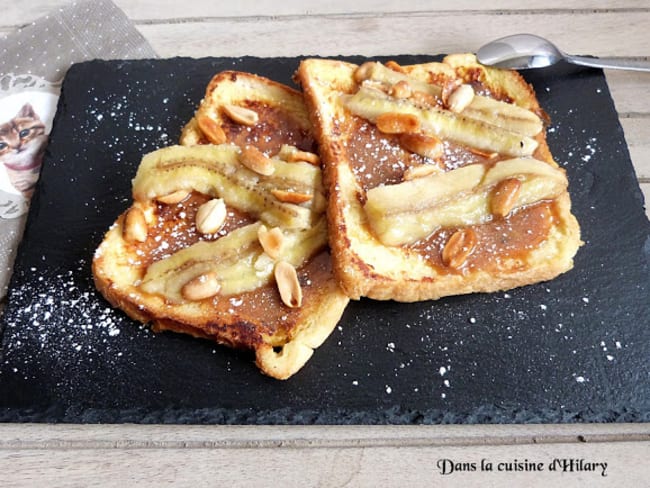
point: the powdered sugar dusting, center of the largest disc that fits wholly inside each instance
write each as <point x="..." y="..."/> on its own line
<point x="65" y="323"/>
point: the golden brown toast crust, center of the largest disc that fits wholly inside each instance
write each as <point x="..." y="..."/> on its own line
<point x="362" y="264"/>
<point x="282" y="338"/>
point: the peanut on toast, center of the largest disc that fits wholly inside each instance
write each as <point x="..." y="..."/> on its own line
<point x="439" y="176"/>
<point x="226" y="238"/>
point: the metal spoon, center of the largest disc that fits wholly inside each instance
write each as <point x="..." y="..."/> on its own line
<point x="523" y="51"/>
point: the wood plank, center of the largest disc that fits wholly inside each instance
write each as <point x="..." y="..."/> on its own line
<point x="16" y="13"/>
<point x="150" y="455"/>
<point x="14" y="437"/>
<point x="637" y="135"/>
<point x="385" y="35"/>
<point x="630" y="90"/>
<point x="357" y="466"/>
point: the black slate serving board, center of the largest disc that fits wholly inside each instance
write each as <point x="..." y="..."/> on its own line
<point x="573" y="349"/>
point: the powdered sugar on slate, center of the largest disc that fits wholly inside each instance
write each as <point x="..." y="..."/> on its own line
<point x="65" y="323"/>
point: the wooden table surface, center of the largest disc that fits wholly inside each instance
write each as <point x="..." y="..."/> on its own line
<point x="119" y="455"/>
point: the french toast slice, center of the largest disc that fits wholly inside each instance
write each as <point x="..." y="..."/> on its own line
<point x="439" y="176"/>
<point x="226" y="238"/>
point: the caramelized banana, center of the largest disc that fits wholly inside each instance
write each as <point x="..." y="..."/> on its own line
<point x="421" y="193"/>
<point x="235" y="261"/>
<point x="229" y="258"/>
<point x="495" y="112"/>
<point x="370" y="104"/>
<point x="375" y="71"/>
<point x="406" y="212"/>
<point x="216" y="171"/>
<point x="508" y="116"/>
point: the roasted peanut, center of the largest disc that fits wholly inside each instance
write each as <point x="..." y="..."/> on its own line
<point x="241" y="115"/>
<point x="255" y="160"/>
<point x="424" y="145"/>
<point x="397" y="123"/>
<point x="504" y="196"/>
<point x="448" y="87"/>
<point x="419" y="171"/>
<point x="394" y="66"/>
<point x="203" y="286"/>
<point x="211" y="216"/>
<point x="291" y="196"/>
<point x="363" y="72"/>
<point x="308" y="157"/>
<point x="211" y="130"/>
<point x="401" y="89"/>
<point x="135" y="226"/>
<point x="174" y="197"/>
<point x="460" y="98"/>
<point x="483" y="154"/>
<point x="458" y="248"/>
<point x="271" y="240"/>
<point x="286" y="279"/>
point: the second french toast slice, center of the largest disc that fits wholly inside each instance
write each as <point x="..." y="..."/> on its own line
<point x="439" y="177"/>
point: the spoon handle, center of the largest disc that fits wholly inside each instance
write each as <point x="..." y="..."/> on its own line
<point x="610" y="63"/>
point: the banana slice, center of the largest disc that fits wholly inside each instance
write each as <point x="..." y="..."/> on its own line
<point x="508" y="116"/>
<point x="227" y="257"/>
<point x="237" y="261"/>
<point x="215" y="170"/>
<point x="408" y="211"/>
<point x="421" y="193"/>
<point x="370" y="104"/>
<point x="522" y="166"/>
<point x="375" y="71"/>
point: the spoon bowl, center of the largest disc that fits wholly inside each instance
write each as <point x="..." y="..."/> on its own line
<point x="526" y="51"/>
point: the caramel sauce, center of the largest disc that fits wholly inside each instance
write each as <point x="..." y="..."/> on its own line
<point x="274" y="128"/>
<point x="499" y="240"/>
<point x="261" y="312"/>
<point x="378" y="158"/>
<point x="175" y="227"/>
<point x="264" y="305"/>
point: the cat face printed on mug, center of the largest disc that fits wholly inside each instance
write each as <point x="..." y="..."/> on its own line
<point x="22" y="143"/>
